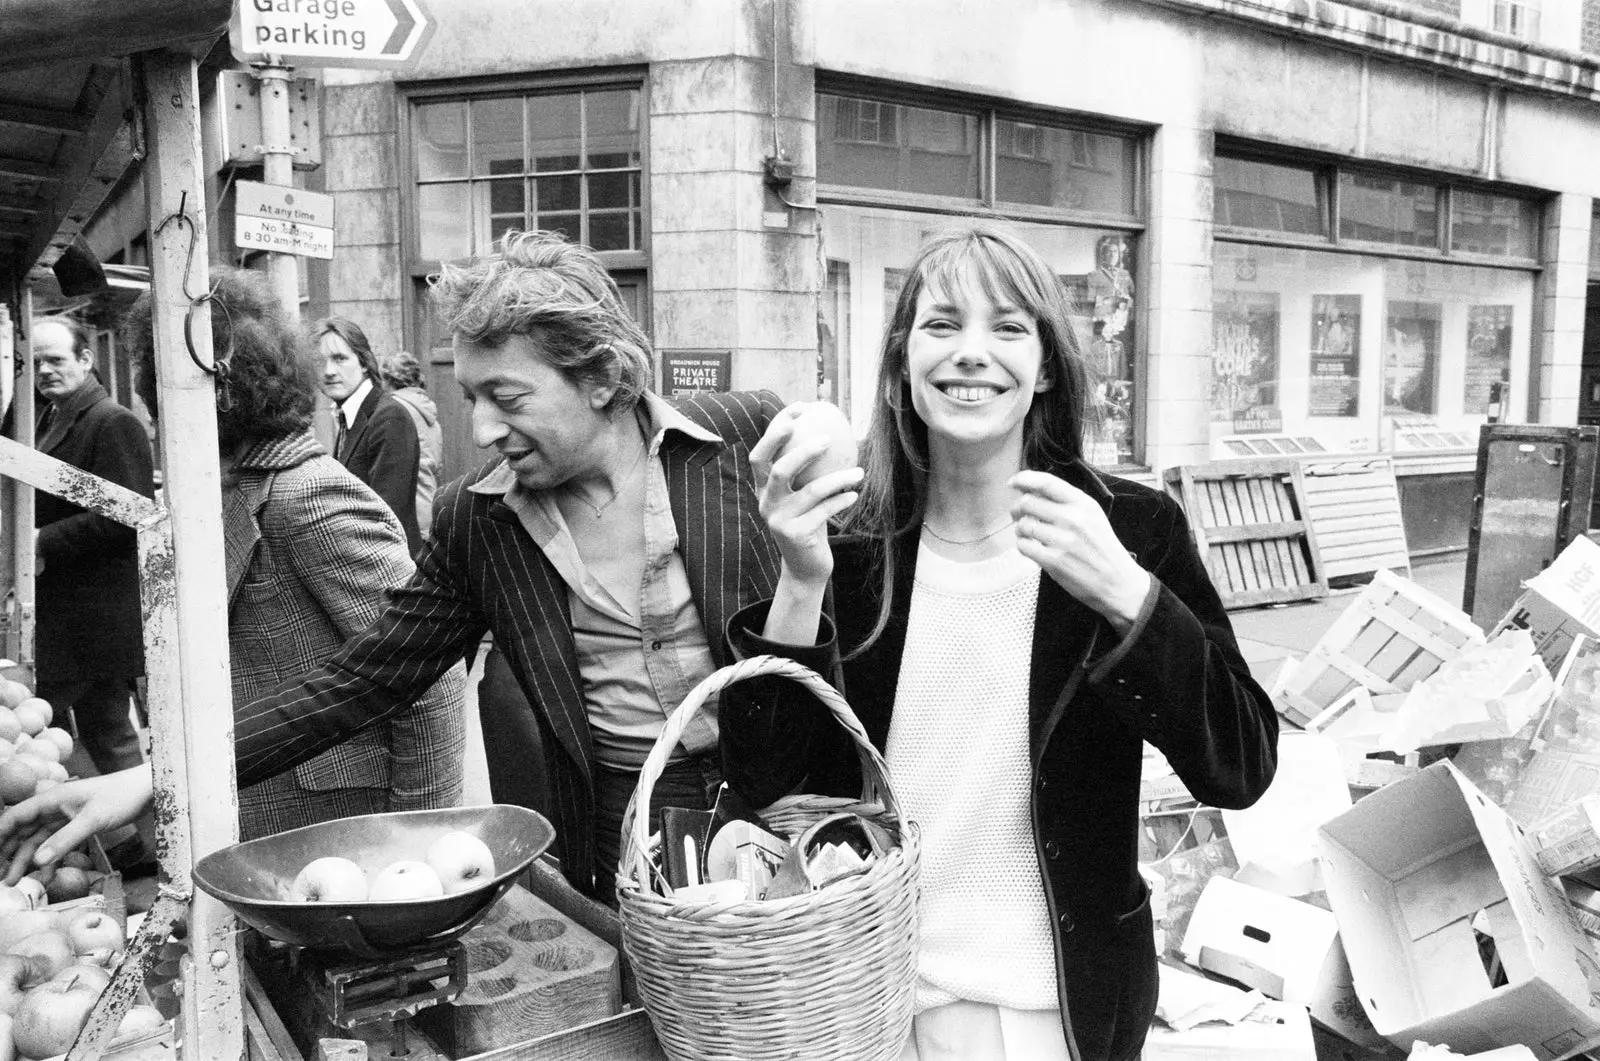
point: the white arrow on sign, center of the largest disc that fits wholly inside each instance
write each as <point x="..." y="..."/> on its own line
<point x="379" y="33"/>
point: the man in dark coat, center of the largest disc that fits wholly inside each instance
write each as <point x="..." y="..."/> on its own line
<point x="88" y="645"/>
<point x="374" y="436"/>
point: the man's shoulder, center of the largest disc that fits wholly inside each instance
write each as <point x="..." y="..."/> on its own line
<point x="732" y="414"/>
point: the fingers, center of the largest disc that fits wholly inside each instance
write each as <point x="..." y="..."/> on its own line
<point x="764" y="452"/>
<point x="1046" y="487"/>
<point x="22" y="861"/>
<point x="69" y="837"/>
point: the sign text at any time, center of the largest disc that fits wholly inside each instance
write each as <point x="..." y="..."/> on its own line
<point x="269" y="217"/>
<point x="381" y="33"/>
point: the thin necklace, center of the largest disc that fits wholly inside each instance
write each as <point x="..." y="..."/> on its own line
<point x="627" y="477"/>
<point x="969" y="541"/>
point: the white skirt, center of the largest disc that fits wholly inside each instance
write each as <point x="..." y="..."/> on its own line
<point x="977" y="1031"/>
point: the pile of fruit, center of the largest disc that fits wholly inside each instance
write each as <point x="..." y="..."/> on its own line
<point x="455" y="862"/>
<point x="56" y="955"/>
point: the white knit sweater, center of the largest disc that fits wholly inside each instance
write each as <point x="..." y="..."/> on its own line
<point x="958" y="759"/>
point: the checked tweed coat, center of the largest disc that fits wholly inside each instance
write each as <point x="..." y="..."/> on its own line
<point x="310" y="551"/>
<point x="479" y="570"/>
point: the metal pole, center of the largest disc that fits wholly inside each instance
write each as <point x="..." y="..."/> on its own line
<point x="25" y="560"/>
<point x="187" y="659"/>
<point x="277" y="164"/>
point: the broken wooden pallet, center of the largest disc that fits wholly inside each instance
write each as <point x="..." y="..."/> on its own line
<point x="1248" y="522"/>
<point x="1391" y="636"/>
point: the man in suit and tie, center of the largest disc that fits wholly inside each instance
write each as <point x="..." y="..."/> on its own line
<point x="89" y="644"/>
<point x="373" y="434"/>
<point x="605" y="544"/>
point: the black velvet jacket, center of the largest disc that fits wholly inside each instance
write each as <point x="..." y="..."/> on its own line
<point x="1176" y="680"/>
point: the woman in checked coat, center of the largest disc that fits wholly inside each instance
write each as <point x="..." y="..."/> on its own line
<point x="310" y="552"/>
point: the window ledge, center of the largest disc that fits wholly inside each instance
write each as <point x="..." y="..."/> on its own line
<point x="1388" y="28"/>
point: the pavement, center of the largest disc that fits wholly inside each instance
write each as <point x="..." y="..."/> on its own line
<point x="1270" y="634"/>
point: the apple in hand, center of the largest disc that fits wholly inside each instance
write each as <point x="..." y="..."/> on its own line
<point x="51" y="1016"/>
<point x="330" y="880"/>
<point x="92" y="930"/>
<point x="461" y="860"/>
<point x="824" y="420"/>
<point x="407" y="879"/>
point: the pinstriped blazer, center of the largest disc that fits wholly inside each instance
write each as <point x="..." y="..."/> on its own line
<point x="309" y="551"/>
<point x="479" y="570"/>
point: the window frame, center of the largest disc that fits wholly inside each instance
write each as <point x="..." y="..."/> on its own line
<point x="1327" y="171"/>
<point x="410" y="95"/>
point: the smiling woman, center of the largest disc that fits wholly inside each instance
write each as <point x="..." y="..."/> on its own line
<point x="1086" y="625"/>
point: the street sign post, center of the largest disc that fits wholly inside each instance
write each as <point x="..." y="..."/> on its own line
<point x="375" y="33"/>
<point x="287" y="220"/>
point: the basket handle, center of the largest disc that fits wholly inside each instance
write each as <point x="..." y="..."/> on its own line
<point x="874" y="771"/>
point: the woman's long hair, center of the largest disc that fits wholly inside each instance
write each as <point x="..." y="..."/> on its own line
<point x="958" y="263"/>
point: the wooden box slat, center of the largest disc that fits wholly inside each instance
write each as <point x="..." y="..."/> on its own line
<point x="1257" y="544"/>
<point x="1356" y="501"/>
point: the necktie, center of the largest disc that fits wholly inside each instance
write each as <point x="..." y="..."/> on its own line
<point x="341" y="429"/>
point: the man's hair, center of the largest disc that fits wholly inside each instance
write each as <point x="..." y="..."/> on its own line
<point x="269" y="390"/>
<point x="75" y="328"/>
<point x="401" y="370"/>
<point x="356" y="339"/>
<point x="537" y="284"/>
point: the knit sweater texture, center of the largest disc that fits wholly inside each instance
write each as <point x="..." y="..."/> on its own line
<point x="958" y="760"/>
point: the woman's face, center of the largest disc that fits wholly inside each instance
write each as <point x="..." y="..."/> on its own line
<point x="973" y="366"/>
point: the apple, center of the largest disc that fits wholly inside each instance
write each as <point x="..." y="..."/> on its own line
<point x="92" y="930"/>
<point x="104" y="957"/>
<point x="13" y="692"/>
<point x="10" y="728"/>
<point x="61" y="739"/>
<point x="12" y="900"/>
<point x="33" y="888"/>
<point x="39" y="748"/>
<point x="823" y="420"/>
<point x="35" y="715"/>
<point x="141" y="1020"/>
<point x="95" y="976"/>
<point x="17" y="781"/>
<point x="58" y="773"/>
<point x="406" y="879"/>
<point x="68" y="883"/>
<point x="51" y="946"/>
<point x="16" y="974"/>
<point x="51" y="1016"/>
<point x="461" y="860"/>
<point x="8" y="1049"/>
<point x="329" y="880"/>
<point x="79" y="858"/>
<point x="40" y="768"/>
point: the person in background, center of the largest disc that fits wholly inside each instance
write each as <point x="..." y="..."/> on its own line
<point x="373" y="435"/>
<point x="309" y="551"/>
<point x="605" y="545"/>
<point x="89" y="641"/>
<point x="403" y="376"/>
<point x="1010" y="626"/>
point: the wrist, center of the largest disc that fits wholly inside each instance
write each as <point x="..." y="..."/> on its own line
<point x="1127" y="602"/>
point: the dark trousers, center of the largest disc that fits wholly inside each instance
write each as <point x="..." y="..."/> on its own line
<point x="691" y="783"/>
<point x="98" y="710"/>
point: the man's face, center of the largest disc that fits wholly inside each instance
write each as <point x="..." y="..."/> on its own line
<point x="546" y="426"/>
<point x="60" y="371"/>
<point x="341" y="369"/>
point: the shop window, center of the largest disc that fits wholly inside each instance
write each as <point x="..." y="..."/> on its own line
<point x="1388" y="210"/>
<point x="890" y="172"/>
<point x="1270" y="197"/>
<point x="1493" y="224"/>
<point x="562" y="161"/>
<point x="1359" y="351"/>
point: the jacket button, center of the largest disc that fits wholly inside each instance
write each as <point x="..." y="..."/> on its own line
<point x="1067" y="924"/>
<point x="1040" y="784"/>
<point x="1052" y="850"/>
<point x="655" y="646"/>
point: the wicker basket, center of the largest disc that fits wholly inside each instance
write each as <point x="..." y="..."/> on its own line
<point x="824" y="975"/>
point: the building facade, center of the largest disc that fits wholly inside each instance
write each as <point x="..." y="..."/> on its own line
<point x="1352" y="225"/>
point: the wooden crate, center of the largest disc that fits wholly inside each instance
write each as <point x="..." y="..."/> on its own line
<point x="1391" y="636"/>
<point x="1353" y="504"/>
<point x="1248" y="522"/>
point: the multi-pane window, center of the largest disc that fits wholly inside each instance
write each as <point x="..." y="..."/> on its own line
<point x="562" y="161"/>
<point x="888" y="169"/>
<point x="1402" y="332"/>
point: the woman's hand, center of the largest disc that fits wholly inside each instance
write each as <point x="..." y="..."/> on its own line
<point x="1065" y="532"/>
<point x="797" y="508"/>
<point x="42" y="828"/>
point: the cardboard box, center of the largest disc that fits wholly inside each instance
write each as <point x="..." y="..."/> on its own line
<point x="1409" y="870"/>
<point x="1559" y="603"/>
<point x="1276" y="1031"/>
<point x="1569" y="840"/>
<point x="1282" y="947"/>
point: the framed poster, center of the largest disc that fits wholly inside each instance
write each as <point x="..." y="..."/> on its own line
<point x="1411" y="357"/>
<point x="1335" y="355"/>
<point x="1244" y="362"/>
<point x="692" y="371"/>
<point x="1488" y="355"/>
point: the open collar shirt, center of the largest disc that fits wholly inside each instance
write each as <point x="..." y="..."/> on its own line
<point x="636" y="666"/>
